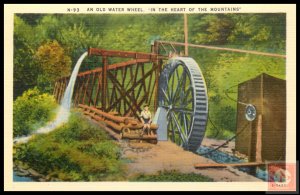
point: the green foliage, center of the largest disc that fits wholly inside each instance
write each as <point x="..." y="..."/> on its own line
<point x="32" y="110"/>
<point x="221" y="69"/>
<point x="172" y="176"/>
<point x="76" y="151"/>
<point x="53" y="63"/>
<point x="31" y="19"/>
<point x="76" y="39"/>
<point x="23" y="59"/>
<point x="213" y="29"/>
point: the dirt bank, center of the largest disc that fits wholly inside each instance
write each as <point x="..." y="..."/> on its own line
<point x="149" y="159"/>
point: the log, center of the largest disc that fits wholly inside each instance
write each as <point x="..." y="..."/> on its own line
<point x="113" y="113"/>
<point x="140" y="126"/>
<point x="217" y="165"/>
<point x="87" y="112"/>
<point x="137" y="136"/>
<point x="131" y="121"/>
<point x="83" y="106"/>
<point x="112" y="133"/>
<point x="108" y="123"/>
<point x="118" y="119"/>
<point x="113" y="125"/>
<point x="97" y="118"/>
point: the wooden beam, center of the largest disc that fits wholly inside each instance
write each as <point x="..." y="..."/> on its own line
<point x="98" y="90"/>
<point x="117" y="119"/>
<point x="113" y="134"/>
<point x="123" y="54"/>
<point x="79" y="97"/>
<point x="139" y="104"/>
<point x="131" y="89"/>
<point x="92" y="89"/>
<point x="226" y="49"/>
<point x="123" y="93"/>
<point x="85" y="90"/>
<point x="217" y="165"/>
<point x="157" y="74"/>
<point x="138" y="137"/>
<point x="258" y="139"/>
<point x="148" y="90"/>
<point x="186" y="48"/>
<point x="115" y="66"/>
<point x="104" y="82"/>
<point x="76" y="91"/>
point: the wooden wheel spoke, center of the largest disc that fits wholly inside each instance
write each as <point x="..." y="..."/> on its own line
<point x="186" y="124"/>
<point x="171" y="127"/>
<point x="166" y="96"/>
<point x="183" y="110"/>
<point x="178" y="89"/>
<point x="183" y="137"/>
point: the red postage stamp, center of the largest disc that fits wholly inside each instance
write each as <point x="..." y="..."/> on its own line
<point x="282" y="177"/>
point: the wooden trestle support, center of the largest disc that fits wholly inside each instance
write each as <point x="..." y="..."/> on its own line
<point x="120" y="88"/>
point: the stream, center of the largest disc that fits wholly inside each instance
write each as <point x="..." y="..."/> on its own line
<point x="18" y="178"/>
<point x="222" y="157"/>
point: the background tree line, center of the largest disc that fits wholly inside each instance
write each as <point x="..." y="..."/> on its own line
<point x="47" y="46"/>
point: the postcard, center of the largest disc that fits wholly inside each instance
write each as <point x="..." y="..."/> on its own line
<point x="150" y="97"/>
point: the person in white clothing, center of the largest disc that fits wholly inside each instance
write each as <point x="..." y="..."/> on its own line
<point x="146" y="118"/>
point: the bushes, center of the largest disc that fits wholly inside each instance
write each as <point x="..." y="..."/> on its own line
<point x="31" y="111"/>
<point x="76" y="151"/>
<point x="167" y="176"/>
<point x="54" y="64"/>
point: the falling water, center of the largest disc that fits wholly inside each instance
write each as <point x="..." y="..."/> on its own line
<point x="64" y="109"/>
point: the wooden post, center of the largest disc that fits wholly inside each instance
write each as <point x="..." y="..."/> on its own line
<point x="98" y="90"/>
<point x="157" y="72"/>
<point x="250" y="147"/>
<point x="92" y="89"/>
<point x="86" y="88"/>
<point x="186" y="47"/>
<point x="104" y="82"/>
<point x="76" y="90"/>
<point x="258" y="157"/>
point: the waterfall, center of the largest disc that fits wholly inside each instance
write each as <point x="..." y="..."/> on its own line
<point x="64" y="108"/>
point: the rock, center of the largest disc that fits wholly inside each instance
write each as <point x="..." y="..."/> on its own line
<point x="54" y="179"/>
<point x="22" y="173"/>
<point x="48" y="178"/>
<point x="41" y="179"/>
<point x="34" y="173"/>
<point x="23" y="166"/>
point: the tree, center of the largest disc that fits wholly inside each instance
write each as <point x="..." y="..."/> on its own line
<point x="31" y="111"/>
<point x="77" y="39"/>
<point x="31" y="19"/>
<point x="53" y="63"/>
<point x="213" y="29"/>
<point x="25" y="70"/>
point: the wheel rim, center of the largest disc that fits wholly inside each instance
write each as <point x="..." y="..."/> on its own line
<point x="182" y="95"/>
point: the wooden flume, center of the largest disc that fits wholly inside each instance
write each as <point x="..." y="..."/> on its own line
<point x="115" y="93"/>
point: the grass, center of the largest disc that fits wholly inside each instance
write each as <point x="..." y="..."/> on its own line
<point x="172" y="176"/>
<point x="81" y="151"/>
<point x="76" y="151"/>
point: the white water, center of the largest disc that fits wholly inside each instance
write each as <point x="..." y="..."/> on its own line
<point x="64" y="109"/>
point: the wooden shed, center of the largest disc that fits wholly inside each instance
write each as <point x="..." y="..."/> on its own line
<point x="264" y="138"/>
